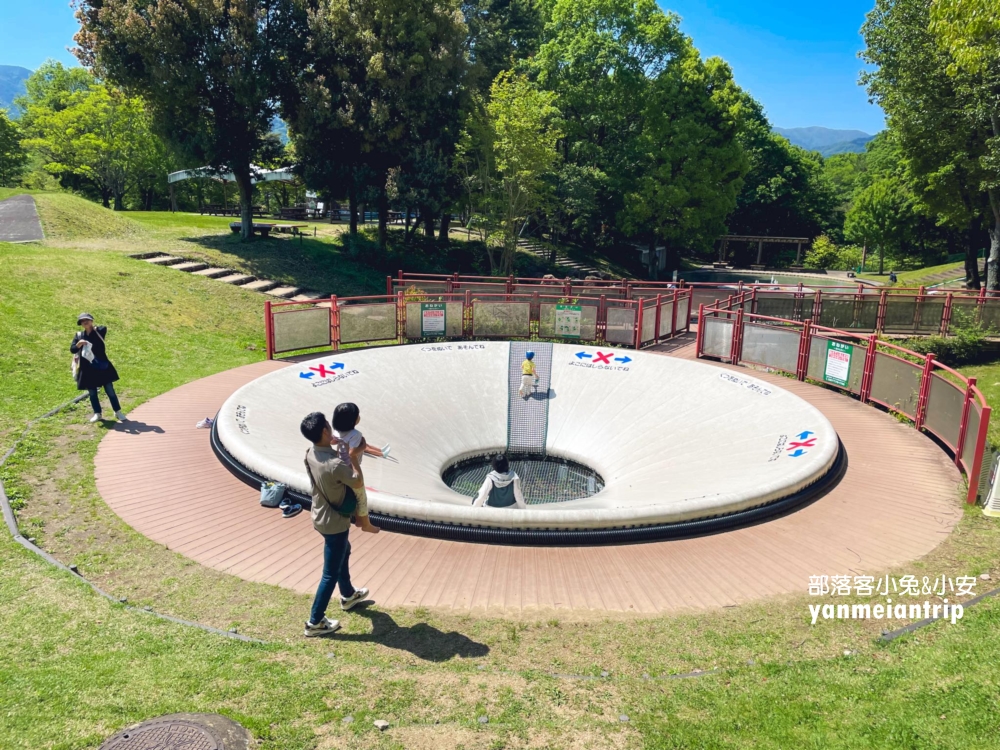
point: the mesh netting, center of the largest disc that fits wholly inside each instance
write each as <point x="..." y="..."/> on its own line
<point x="543" y="480"/>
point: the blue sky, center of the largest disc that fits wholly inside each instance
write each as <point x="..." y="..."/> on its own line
<point x="798" y="59"/>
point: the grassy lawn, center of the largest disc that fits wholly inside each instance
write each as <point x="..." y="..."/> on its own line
<point x="921" y="276"/>
<point x="79" y="668"/>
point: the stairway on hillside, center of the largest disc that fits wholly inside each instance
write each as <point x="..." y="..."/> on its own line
<point x="537" y="248"/>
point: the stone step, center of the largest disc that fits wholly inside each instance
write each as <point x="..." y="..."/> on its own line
<point x="189" y="266"/>
<point x="164" y="260"/>
<point x="283" y="291"/>
<point x="236" y="278"/>
<point x="214" y="273"/>
<point x="260" y="285"/>
<point x="308" y="296"/>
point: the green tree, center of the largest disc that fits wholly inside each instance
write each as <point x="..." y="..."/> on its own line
<point x="211" y="72"/>
<point x="688" y="164"/>
<point x="880" y="216"/>
<point x="102" y="136"/>
<point x="13" y="157"/>
<point x="940" y="146"/>
<point x="523" y="121"/>
<point x="385" y="89"/>
<point x="601" y="58"/>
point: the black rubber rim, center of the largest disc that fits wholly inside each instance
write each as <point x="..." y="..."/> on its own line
<point x="568" y="538"/>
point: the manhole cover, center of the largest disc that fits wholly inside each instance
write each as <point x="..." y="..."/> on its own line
<point x="182" y="732"/>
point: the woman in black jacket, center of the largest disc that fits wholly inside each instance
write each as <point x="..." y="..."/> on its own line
<point x="92" y="373"/>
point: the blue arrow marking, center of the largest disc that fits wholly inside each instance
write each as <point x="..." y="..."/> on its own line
<point x="623" y="360"/>
<point x="581" y="355"/>
<point x="804" y="435"/>
<point x="798" y="452"/>
<point x="306" y="375"/>
<point x="340" y="366"/>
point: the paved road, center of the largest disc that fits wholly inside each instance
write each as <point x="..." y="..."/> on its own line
<point x="19" y="220"/>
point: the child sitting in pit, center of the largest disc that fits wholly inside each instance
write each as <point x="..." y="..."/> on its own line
<point x="501" y="488"/>
<point x="528" y="375"/>
<point x="351" y="445"/>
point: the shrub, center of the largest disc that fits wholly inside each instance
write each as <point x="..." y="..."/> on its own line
<point x="964" y="346"/>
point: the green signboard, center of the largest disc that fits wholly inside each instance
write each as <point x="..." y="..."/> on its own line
<point x="837" y="369"/>
<point x="568" y="321"/>
<point x="432" y="319"/>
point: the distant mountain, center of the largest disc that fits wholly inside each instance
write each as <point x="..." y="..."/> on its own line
<point x="826" y="140"/>
<point x="12" y="79"/>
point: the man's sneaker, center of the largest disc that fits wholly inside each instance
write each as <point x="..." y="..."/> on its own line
<point x="325" y="626"/>
<point x="291" y="511"/>
<point x="357" y="597"/>
<point x="385" y="451"/>
<point x="121" y="415"/>
<point x="285" y="503"/>
<point x="95" y="418"/>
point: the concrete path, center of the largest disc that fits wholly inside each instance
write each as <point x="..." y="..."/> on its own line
<point x="19" y="220"/>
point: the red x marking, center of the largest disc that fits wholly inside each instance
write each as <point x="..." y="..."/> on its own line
<point x="323" y="372"/>
<point x="810" y="443"/>
<point x="603" y="358"/>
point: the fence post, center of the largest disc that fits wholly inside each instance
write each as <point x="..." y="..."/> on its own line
<point x="753" y="301"/>
<point x="638" y="324"/>
<point x="924" y="393"/>
<point x="388" y="285"/>
<point x="869" y="368"/>
<point x="737" y="345"/>
<point x="699" y="336"/>
<point x="817" y="313"/>
<point x="335" y="322"/>
<point x="802" y="366"/>
<point x="883" y="301"/>
<point x="977" y="463"/>
<point x="268" y="330"/>
<point x="510" y="286"/>
<point x="980" y="304"/>
<point x="673" y="315"/>
<point x="468" y="324"/>
<point x="963" y="424"/>
<point x="401" y="318"/>
<point x="656" y="322"/>
<point x="602" y="318"/>
<point x="946" y="315"/>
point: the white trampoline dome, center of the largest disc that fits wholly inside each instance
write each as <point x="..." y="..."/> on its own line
<point x="671" y="440"/>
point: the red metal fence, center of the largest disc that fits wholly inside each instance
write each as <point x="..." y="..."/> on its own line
<point x="483" y="313"/>
<point x="936" y="398"/>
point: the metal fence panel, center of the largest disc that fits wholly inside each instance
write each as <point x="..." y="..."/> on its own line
<point x="896" y="383"/>
<point x="787" y="306"/>
<point x="964" y="311"/>
<point x="706" y="297"/>
<point x="648" y="323"/>
<point x="367" y="322"/>
<point x="452" y="323"/>
<point x="717" y="340"/>
<point x="990" y="315"/>
<point x="301" y="329"/>
<point x="771" y="346"/>
<point x="684" y="311"/>
<point x="666" y="319"/>
<point x="900" y="314"/>
<point x="415" y="288"/>
<point x="971" y="435"/>
<point x="818" y="346"/>
<point x="501" y="319"/>
<point x="620" y="325"/>
<point x="848" y="313"/>
<point x="481" y="288"/>
<point x="929" y="314"/>
<point x="945" y="401"/>
<point x="547" y="322"/>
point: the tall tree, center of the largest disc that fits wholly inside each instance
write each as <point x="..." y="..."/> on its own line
<point x="880" y="216"/>
<point x="102" y="136"/>
<point x="941" y="143"/>
<point x="689" y="163"/>
<point x="969" y="30"/>
<point x="387" y="81"/>
<point x="13" y="157"/>
<point x="212" y="72"/>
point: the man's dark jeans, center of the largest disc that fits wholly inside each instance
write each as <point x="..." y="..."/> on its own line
<point x="95" y="402"/>
<point x="336" y="571"/>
